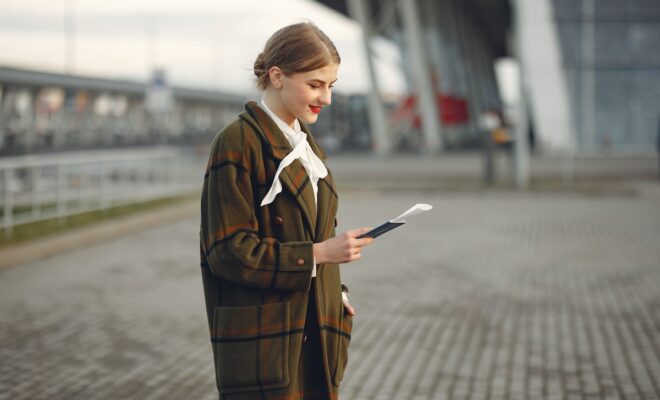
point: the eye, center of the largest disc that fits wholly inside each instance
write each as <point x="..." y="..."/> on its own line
<point x="314" y="86"/>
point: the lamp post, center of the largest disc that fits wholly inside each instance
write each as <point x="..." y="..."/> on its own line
<point x="69" y="35"/>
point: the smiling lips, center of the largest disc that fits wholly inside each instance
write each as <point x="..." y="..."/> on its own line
<point x="315" y="109"/>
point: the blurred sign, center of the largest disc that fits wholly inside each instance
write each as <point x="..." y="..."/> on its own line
<point x="159" y="97"/>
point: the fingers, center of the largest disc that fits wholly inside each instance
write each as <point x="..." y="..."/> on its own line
<point x="352" y="237"/>
<point x="350" y="246"/>
<point x="363" y="242"/>
<point x="349" y="309"/>
<point x="353" y="233"/>
<point x="352" y="255"/>
<point x="355" y="256"/>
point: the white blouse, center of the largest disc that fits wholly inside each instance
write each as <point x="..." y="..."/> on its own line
<point x="301" y="150"/>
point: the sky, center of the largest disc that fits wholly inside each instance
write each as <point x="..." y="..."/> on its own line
<point x="206" y="44"/>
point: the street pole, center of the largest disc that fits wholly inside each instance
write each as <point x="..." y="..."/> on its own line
<point x="69" y="35"/>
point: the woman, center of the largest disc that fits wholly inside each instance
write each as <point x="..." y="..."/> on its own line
<point x="280" y="327"/>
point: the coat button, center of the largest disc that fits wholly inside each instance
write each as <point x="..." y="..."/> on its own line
<point x="300" y="261"/>
<point x="279" y="220"/>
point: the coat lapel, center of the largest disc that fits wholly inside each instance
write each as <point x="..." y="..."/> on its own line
<point x="327" y="208"/>
<point x="294" y="178"/>
<point x="326" y="196"/>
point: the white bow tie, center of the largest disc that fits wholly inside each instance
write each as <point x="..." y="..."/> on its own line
<point x="312" y="164"/>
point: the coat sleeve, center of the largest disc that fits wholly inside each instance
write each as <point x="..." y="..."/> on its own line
<point x="230" y="229"/>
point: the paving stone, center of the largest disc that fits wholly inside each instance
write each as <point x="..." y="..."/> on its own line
<point x="494" y="295"/>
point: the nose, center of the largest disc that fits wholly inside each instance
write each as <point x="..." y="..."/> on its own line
<point x="326" y="97"/>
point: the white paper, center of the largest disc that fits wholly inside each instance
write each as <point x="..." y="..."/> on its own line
<point x="412" y="211"/>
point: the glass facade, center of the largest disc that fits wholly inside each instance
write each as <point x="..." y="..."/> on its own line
<point x="611" y="56"/>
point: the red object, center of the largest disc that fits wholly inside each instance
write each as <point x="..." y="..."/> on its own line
<point x="452" y="110"/>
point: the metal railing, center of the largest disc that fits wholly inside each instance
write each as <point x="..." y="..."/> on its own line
<point x="39" y="187"/>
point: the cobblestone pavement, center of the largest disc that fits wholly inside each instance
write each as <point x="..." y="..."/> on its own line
<point x="499" y="295"/>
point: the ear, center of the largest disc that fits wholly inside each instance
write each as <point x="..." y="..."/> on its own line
<point x="275" y="74"/>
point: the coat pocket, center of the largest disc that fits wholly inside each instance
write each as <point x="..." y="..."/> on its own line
<point x="251" y="347"/>
<point x="344" y="337"/>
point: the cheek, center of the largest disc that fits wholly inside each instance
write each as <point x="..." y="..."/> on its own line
<point x="304" y="96"/>
<point x="297" y="97"/>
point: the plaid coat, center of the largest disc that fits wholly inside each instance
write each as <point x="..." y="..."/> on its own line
<point x="257" y="264"/>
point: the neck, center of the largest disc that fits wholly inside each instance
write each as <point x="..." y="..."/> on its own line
<point x="273" y="102"/>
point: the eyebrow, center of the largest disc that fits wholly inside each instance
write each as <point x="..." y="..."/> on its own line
<point x="322" y="82"/>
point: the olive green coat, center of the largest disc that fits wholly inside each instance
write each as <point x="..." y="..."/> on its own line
<point x="257" y="263"/>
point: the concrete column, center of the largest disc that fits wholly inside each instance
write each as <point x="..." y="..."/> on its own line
<point x="521" y="145"/>
<point x="426" y="99"/>
<point x="377" y="116"/>
<point x="543" y="81"/>
<point x="587" y="77"/>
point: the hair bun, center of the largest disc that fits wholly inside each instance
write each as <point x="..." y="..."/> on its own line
<point x="259" y="66"/>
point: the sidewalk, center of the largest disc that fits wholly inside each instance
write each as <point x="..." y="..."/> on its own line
<point x="492" y="295"/>
<point x="463" y="171"/>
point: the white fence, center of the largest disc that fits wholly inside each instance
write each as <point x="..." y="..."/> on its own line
<point x="39" y="187"/>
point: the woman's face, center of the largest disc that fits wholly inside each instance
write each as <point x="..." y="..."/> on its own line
<point x="303" y="95"/>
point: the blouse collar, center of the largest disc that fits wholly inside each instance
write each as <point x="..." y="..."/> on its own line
<point x="292" y="134"/>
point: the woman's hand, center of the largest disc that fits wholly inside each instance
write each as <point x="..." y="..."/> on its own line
<point x="350" y="310"/>
<point x="343" y="248"/>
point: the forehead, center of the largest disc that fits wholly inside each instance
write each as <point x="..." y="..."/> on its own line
<point x="325" y="74"/>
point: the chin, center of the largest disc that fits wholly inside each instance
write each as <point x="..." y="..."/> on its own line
<point x="309" y="119"/>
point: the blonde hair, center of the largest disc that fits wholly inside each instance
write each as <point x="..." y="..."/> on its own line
<point x="295" y="48"/>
